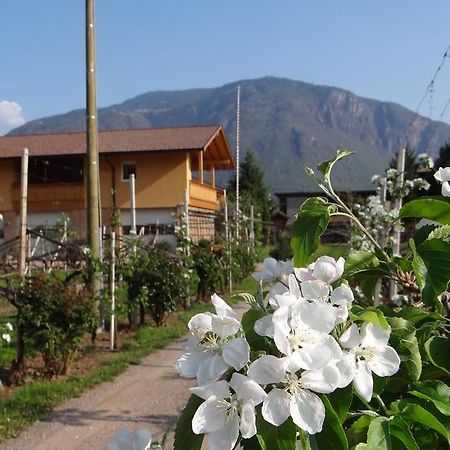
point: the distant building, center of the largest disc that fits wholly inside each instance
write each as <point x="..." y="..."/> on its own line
<point x="168" y="164"/>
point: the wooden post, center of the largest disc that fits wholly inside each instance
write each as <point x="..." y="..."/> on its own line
<point x="252" y="228"/>
<point x="228" y="241"/>
<point x="200" y="167"/>
<point x="93" y="214"/>
<point x="213" y="175"/>
<point x="23" y="213"/>
<point x="133" y="203"/>
<point x="377" y="292"/>
<point x="112" y="291"/>
<point x="398" y="205"/>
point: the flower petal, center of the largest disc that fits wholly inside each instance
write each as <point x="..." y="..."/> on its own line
<point x="187" y="365"/>
<point x="142" y="439"/>
<point x="267" y="369"/>
<point x="303" y="273"/>
<point x="363" y="380"/>
<point x="443" y="174"/>
<point x="217" y="388"/>
<point x="210" y="416"/>
<point x="319" y="316"/>
<point x="347" y="369"/>
<point x="264" y="326"/>
<point x="446" y="189"/>
<point x="236" y="353"/>
<point x="222" y="308"/>
<point x="374" y="336"/>
<point x="275" y="409"/>
<point x="311" y="357"/>
<point x="226" y="437"/>
<point x="324" y="380"/>
<point x="200" y="324"/>
<point x="342" y="295"/>
<point x="211" y="369"/>
<point x="248" y="421"/>
<point x="247" y="390"/>
<point x="350" y="337"/>
<point x="307" y="411"/>
<point x="315" y="289"/>
<point x="225" y="326"/>
<point x="385" y="362"/>
<point x="294" y="288"/>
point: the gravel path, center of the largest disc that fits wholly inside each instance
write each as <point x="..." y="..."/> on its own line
<point x="149" y="395"/>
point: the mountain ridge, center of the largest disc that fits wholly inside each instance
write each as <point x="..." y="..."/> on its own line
<point x="287" y="123"/>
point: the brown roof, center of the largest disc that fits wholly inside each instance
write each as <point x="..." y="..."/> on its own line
<point x="117" y="141"/>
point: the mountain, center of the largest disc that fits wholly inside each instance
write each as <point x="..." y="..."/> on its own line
<point x="288" y="124"/>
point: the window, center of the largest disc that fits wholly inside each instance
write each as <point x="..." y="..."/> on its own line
<point x="127" y="169"/>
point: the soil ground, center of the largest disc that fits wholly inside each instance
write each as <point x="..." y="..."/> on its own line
<point x="148" y="395"/>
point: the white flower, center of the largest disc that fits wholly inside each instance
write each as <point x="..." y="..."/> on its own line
<point x="213" y="346"/>
<point x="294" y="397"/>
<point x="124" y="440"/>
<point x="301" y="333"/>
<point x="371" y="353"/>
<point x="270" y="272"/>
<point x="225" y="413"/>
<point x="9" y="326"/>
<point x="6" y="337"/>
<point x="443" y="175"/>
<point x="325" y="269"/>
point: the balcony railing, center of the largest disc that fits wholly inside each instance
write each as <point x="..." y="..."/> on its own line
<point x="52" y="195"/>
<point x="203" y="196"/>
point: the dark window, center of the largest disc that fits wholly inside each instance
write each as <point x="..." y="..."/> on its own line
<point x="127" y="169"/>
<point x="53" y="169"/>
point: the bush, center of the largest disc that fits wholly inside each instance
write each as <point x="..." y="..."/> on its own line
<point x="155" y="283"/>
<point x="209" y="268"/>
<point x="54" y="313"/>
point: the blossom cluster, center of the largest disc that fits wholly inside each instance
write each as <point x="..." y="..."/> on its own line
<point x="443" y="175"/>
<point x="7" y="336"/>
<point x="314" y="348"/>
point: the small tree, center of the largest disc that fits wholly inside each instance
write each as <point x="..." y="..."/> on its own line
<point x="253" y="190"/>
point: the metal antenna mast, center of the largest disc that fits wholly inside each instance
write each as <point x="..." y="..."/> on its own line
<point x="238" y="108"/>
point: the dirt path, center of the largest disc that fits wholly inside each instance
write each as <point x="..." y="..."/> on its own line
<point x="149" y="395"/>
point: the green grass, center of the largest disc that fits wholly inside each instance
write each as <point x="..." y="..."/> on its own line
<point x="28" y="403"/>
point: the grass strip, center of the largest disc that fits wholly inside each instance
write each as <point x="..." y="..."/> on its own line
<point x="28" y="403"/>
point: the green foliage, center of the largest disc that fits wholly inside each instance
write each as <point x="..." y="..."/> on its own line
<point x="252" y="188"/>
<point x="54" y="313"/>
<point x="431" y="208"/>
<point x="155" y="282"/>
<point x="312" y="220"/>
<point x="243" y="262"/>
<point x="209" y="268"/>
<point x="185" y="438"/>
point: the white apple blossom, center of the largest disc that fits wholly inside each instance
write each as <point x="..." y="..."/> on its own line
<point x="273" y="269"/>
<point x="8" y="326"/>
<point x="6" y="337"/>
<point x="227" y="412"/>
<point x="124" y="440"/>
<point x="325" y="269"/>
<point x="443" y="175"/>
<point x="370" y="352"/>
<point x="294" y="392"/>
<point x="214" y="345"/>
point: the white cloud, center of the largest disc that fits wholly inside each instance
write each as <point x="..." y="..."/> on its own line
<point x="10" y="116"/>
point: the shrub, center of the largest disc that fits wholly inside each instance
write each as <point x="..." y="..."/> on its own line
<point x="54" y="313"/>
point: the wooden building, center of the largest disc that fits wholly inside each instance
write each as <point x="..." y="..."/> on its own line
<point x="168" y="163"/>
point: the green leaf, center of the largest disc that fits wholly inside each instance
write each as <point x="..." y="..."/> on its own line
<point x="441" y="233"/>
<point x="271" y="437"/>
<point x="340" y="400"/>
<point x="437" y="349"/>
<point x="418" y="414"/>
<point x="327" y="166"/>
<point x="423" y="233"/>
<point x="362" y="446"/>
<point x="417" y="315"/>
<point x="312" y="220"/>
<point x="383" y="431"/>
<point x="432" y="208"/>
<point x="432" y="269"/>
<point x="403" y="339"/>
<point x="378" y="436"/>
<point x="332" y="434"/>
<point x="373" y="315"/>
<point x="256" y="342"/>
<point x="357" y="261"/>
<point x="184" y="436"/>
<point x="399" y="428"/>
<point x="435" y="391"/>
<point x="358" y="430"/>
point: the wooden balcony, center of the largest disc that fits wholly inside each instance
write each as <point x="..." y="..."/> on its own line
<point x="203" y="196"/>
<point x="52" y="197"/>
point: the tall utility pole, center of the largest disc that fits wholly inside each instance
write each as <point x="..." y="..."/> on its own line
<point x="23" y="213"/>
<point x="93" y="220"/>
<point x="238" y="119"/>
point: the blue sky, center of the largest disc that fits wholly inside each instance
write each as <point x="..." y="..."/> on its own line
<point x="383" y="49"/>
